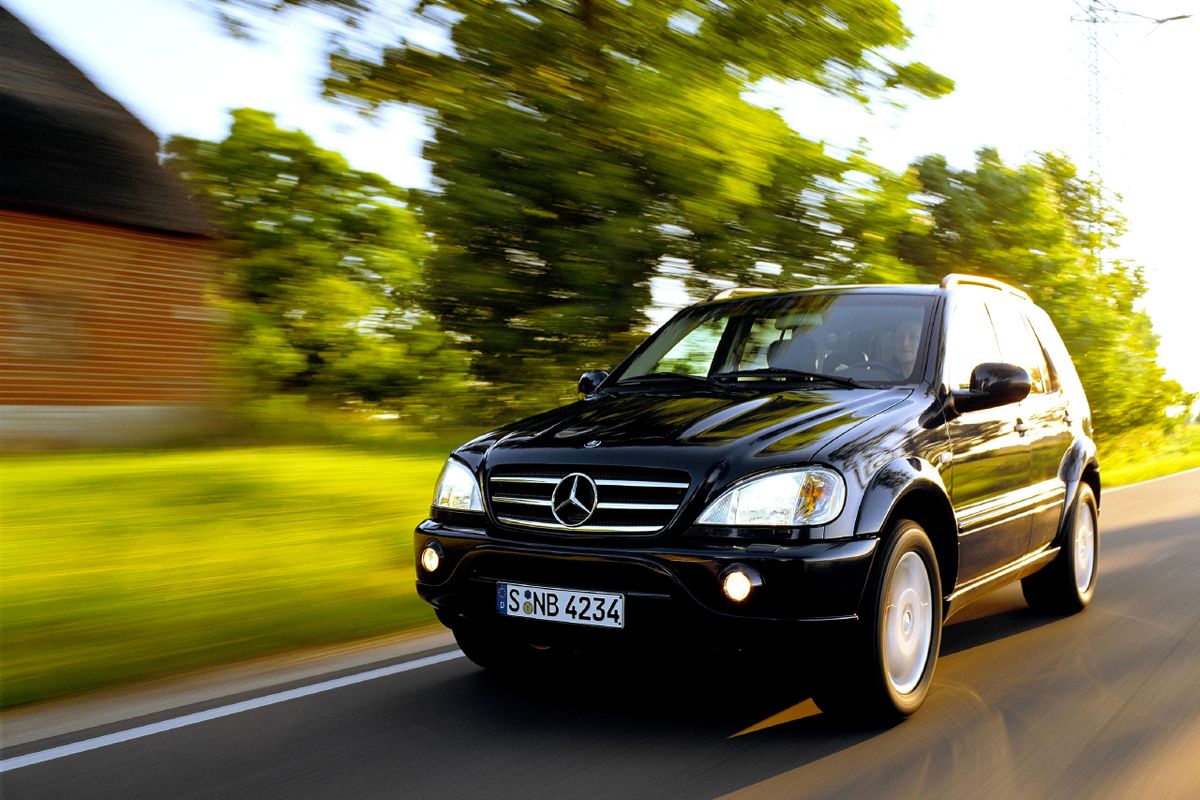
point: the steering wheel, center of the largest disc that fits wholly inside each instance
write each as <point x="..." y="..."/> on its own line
<point x="891" y="373"/>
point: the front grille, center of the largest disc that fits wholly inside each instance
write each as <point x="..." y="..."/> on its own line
<point x="625" y="500"/>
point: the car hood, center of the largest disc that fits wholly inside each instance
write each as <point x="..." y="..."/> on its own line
<point x="762" y="422"/>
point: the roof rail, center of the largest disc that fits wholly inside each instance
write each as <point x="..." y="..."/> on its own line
<point x="738" y="291"/>
<point x="957" y="279"/>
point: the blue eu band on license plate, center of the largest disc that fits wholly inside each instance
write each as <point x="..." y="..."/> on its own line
<point x="572" y="606"/>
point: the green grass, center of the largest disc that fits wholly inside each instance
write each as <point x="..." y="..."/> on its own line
<point x="122" y="566"/>
<point x="116" y="567"/>
<point x="1142" y="454"/>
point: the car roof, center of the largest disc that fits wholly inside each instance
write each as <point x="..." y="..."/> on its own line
<point x="860" y="288"/>
<point x="949" y="283"/>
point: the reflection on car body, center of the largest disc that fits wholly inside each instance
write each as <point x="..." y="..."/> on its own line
<point x="828" y="472"/>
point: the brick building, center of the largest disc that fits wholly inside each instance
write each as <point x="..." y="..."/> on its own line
<point x="105" y="336"/>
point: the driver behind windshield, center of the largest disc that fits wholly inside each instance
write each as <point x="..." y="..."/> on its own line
<point x="905" y="341"/>
<point x="850" y="337"/>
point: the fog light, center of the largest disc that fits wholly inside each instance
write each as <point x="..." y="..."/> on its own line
<point x="737" y="582"/>
<point x="431" y="559"/>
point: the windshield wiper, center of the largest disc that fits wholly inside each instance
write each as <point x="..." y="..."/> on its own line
<point x="775" y="372"/>
<point x="664" y="376"/>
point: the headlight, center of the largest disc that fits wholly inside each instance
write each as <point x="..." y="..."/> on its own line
<point x="811" y="496"/>
<point x="457" y="489"/>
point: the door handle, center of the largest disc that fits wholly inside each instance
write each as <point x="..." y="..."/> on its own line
<point x="1021" y="427"/>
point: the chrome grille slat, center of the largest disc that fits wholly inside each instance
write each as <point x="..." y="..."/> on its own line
<point x="643" y="484"/>
<point x="585" y="528"/>
<point x="630" y="500"/>
<point x="638" y="506"/>
<point x="524" y="501"/>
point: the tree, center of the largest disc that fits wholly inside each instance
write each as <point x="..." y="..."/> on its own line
<point x="1041" y="227"/>
<point x="578" y="144"/>
<point x="322" y="268"/>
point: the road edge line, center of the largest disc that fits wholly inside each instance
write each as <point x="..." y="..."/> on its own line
<point x="141" y="731"/>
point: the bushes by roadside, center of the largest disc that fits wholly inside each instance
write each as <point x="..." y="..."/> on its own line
<point x="1149" y="452"/>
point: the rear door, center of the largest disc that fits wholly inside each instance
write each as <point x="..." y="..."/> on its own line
<point x="1044" y="416"/>
<point x="990" y="464"/>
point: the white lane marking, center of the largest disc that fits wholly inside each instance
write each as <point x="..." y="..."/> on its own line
<point x="1148" y="480"/>
<point x="42" y="756"/>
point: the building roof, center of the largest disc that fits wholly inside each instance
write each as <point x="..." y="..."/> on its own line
<point x="68" y="149"/>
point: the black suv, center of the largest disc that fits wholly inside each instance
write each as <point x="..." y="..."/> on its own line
<point x="838" y="468"/>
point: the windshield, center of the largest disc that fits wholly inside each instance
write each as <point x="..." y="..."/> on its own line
<point x="849" y="338"/>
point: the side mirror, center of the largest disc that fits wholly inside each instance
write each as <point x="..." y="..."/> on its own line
<point x="590" y="381"/>
<point x="992" y="385"/>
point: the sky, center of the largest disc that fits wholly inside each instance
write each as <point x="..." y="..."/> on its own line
<point x="1021" y="86"/>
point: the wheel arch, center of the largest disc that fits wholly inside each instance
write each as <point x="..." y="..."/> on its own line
<point x="1091" y="476"/>
<point x="910" y="488"/>
<point x="1079" y="463"/>
<point x="1079" y="466"/>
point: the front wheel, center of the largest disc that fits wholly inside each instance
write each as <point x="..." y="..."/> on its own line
<point x="884" y="671"/>
<point x="1067" y="584"/>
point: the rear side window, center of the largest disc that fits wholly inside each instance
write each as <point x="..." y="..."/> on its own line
<point x="1052" y="343"/>
<point x="970" y="341"/>
<point x="1052" y="382"/>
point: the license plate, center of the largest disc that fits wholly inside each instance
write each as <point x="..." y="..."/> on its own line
<point x="561" y="605"/>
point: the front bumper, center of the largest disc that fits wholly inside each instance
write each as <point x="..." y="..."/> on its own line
<point x="670" y="589"/>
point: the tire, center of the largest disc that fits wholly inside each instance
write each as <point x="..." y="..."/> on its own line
<point x="883" y="671"/>
<point x="1068" y="583"/>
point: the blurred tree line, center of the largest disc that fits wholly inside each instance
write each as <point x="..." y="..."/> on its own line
<point x="583" y="147"/>
<point x="1042" y="227"/>
<point x="323" y="269"/>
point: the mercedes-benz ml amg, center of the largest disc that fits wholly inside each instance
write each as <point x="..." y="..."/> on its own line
<point x="831" y="471"/>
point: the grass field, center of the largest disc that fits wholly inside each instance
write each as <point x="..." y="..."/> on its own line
<point x="117" y="567"/>
<point x="1142" y="454"/>
<point x="124" y="566"/>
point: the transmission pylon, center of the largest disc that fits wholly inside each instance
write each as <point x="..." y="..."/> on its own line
<point x="1094" y="13"/>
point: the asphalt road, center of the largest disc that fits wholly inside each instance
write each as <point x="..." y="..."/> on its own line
<point x="1102" y="704"/>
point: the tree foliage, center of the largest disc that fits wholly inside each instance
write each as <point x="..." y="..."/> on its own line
<point x="581" y="145"/>
<point x="1041" y="227"/>
<point x="322" y="266"/>
<point x="578" y="144"/>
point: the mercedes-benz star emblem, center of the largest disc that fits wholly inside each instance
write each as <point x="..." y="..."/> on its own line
<point x="574" y="500"/>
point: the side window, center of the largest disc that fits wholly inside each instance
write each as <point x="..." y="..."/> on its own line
<point x="1018" y="345"/>
<point x="1062" y="370"/>
<point x="970" y="341"/>
<point x="1052" y="382"/>
<point x="693" y="354"/>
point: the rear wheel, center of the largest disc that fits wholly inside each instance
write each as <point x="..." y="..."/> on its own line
<point x="885" y="669"/>
<point x="1067" y="584"/>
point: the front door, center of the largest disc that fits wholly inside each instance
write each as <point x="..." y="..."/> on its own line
<point x="991" y="456"/>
